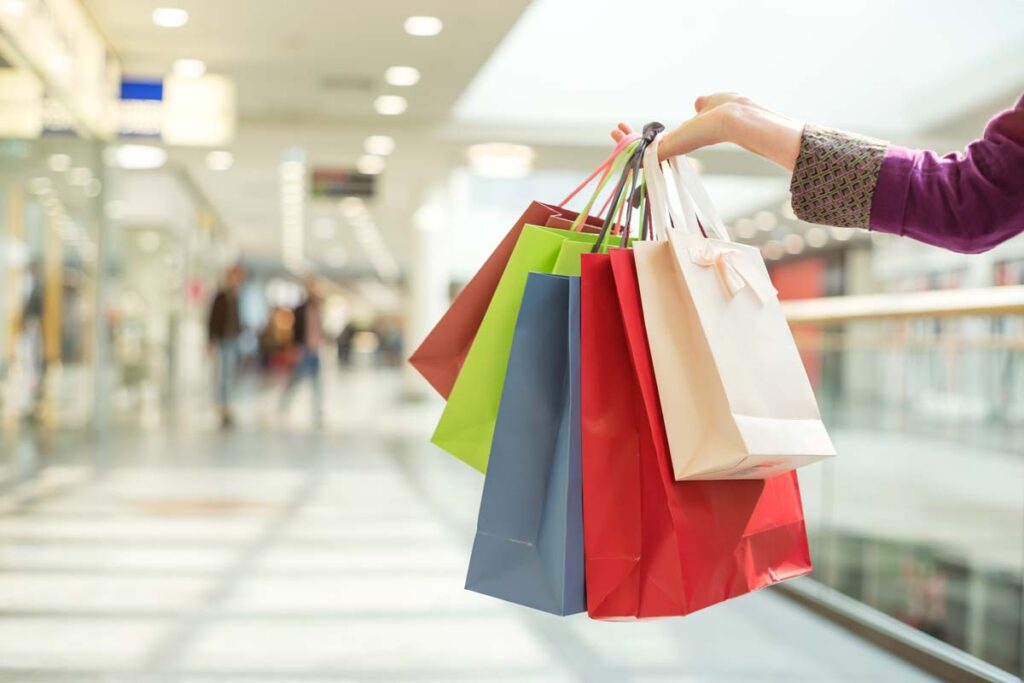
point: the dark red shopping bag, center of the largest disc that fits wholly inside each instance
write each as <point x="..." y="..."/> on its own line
<point x="655" y="546"/>
<point x="440" y="356"/>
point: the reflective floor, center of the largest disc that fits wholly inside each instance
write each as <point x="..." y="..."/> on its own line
<point x="281" y="553"/>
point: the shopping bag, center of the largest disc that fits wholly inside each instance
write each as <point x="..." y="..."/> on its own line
<point x="656" y="547"/>
<point x="440" y="356"/>
<point x="467" y="420"/>
<point x="735" y="395"/>
<point x="529" y="541"/>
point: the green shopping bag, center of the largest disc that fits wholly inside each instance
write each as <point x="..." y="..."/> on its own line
<point x="466" y="427"/>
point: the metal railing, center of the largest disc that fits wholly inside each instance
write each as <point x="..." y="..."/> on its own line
<point x="917" y="526"/>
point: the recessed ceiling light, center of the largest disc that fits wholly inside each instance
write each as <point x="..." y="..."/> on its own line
<point x="816" y="237"/>
<point x="139" y="157"/>
<point x="189" y="68"/>
<point x="772" y="250"/>
<point x="381" y="145"/>
<point x="390" y="105"/>
<point x="402" y="75"/>
<point x="841" y="234"/>
<point x="94" y="188"/>
<point x="219" y="160"/>
<point x="765" y="220"/>
<point x="500" y="160"/>
<point x="745" y="228"/>
<point x="59" y="163"/>
<point x="793" y="243"/>
<point x="170" y="17"/>
<point x="370" y="164"/>
<point x="423" y="26"/>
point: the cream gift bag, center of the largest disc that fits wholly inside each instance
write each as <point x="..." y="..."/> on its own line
<point x="734" y="393"/>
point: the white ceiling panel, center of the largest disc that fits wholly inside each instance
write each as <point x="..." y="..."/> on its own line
<point x="885" y="67"/>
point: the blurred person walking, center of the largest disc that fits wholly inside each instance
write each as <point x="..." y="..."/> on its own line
<point x="967" y="201"/>
<point x="225" y="327"/>
<point x="308" y="335"/>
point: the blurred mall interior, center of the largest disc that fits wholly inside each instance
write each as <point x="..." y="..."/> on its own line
<point x="147" y="146"/>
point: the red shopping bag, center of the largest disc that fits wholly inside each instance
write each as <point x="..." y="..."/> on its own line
<point x="440" y="356"/>
<point x="654" y="546"/>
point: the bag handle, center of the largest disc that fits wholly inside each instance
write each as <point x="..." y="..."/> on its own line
<point x="688" y="182"/>
<point x="603" y="168"/>
<point x="631" y="173"/>
<point x="695" y="203"/>
<point x="617" y="164"/>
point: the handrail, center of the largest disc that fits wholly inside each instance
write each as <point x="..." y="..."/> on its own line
<point x="932" y="304"/>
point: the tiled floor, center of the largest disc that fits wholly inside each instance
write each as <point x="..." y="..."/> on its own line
<point x="276" y="553"/>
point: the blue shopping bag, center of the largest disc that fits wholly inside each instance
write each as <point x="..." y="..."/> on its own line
<point x="529" y="540"/>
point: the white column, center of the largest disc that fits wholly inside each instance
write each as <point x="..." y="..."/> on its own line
<point x="429" y="279"/>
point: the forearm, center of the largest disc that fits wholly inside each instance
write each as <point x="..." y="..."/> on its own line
<point x="756" y="129"/>
<point x="764" y="132"/>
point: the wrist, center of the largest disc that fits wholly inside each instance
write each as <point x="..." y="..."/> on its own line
<point x="763" y="132"/>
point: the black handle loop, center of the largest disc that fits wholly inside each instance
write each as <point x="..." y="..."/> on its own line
<point x="631" y="170"/>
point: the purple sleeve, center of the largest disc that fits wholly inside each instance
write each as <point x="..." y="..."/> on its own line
<point x="968" y="202"/>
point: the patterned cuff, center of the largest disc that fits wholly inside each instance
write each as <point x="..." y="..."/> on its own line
<point x="834" y="177"/>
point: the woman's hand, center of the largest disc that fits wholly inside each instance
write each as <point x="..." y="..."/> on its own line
<point x="731" y="117"/>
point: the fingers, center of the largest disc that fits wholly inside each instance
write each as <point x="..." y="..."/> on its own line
<point x="700" y="131"/>
<point x="621" y="131"/>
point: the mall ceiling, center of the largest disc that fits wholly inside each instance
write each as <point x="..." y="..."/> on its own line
<point x="307" y="72"/>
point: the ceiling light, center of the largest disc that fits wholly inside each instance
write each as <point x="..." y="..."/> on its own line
<point x="816" y="237"/>
<point x="745" y="228"/>
<point x="139" y="157"/>
<point x="381" y="145"/>
<point x="58" y="163"/>
<point x="370" y="164"/>
<point x="170" y="17"/>
<point x="219" y="160"/>
<point x="772" y="250"/>
<point x="765" y="221"/>
<point x="500" y="160"/>
<point x="841" y="234"/>
<point x="423" y="26"/>
<point x="402" y="76"/>
<point x="189" y="68"/>
<point x="390" y="105"/>
<point x="793" y="243"/>
<point x="94" y="188"/>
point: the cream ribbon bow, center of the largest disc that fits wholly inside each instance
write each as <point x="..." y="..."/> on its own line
<point x="733" y="273"/>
